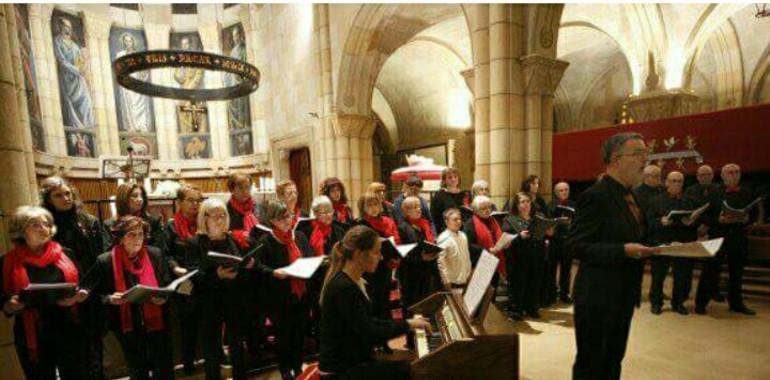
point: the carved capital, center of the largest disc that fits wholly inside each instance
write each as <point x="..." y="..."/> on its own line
<point x="541" y="74"/>
<point x="662" y="105"/>
<point x="348" y="125"/>
<point x="469" y="76"/>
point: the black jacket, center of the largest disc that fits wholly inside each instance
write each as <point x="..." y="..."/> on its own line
<point x="157" y="237"/>
<point x="83" y="234"/>
<point x="349" y="332"/>
<point x="659" y="207"/>
<point x="419" y="278"/>
<point x="603" y="224"/>
<point x="274" y="255"/>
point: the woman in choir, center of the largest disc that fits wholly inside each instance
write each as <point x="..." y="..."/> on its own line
<point x="418" y="274"/>
<point x="131" y="199"/>
<point x="483" y="231"/>
<point x="528" y="254"/>
<point x="241" y="209"/>
<point x="449" y="196"/>
<point x="381" y="283"/>
<point x="349" y="329"/>
<point x="531" y="186"/>
<point x="285" y="298"/>
<point x="334" y="189"/>
<point x="222" y="290"/>
<point x="454" y="262"/>
<point x="49" y="338"/>
<point x="87" y="238"/>
<point x="324" y="232"/>
<point x="481" y="187"/>
<point x="287" y="193"/>
<point x="179" y="230"/>
<point x="379" y="189"/>
<point x="141" y="329"/>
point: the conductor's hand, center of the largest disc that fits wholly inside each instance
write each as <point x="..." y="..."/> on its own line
<point x="158" y="301"/>
<point x="280" y="274"/>
<point x="13" y="305"/>
<point x="116" y="298"/>
<point x="419" y="323"/>
<point x="226" y="273"/>
<point x="638" y="251"/>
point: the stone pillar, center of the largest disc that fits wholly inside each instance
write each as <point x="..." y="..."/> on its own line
<point x="324" y="130"/>
<point x="97" y="34"/>
<point x="15" y="147"/>
<point x="260" y="57"/>
<point x="220" y="136"/>
<point x="541" y="75"/>
<point x="499" y="86"/>
<point x="353" y="153"/>
<point x="480" y="39"/>
<point x="47" y="77"/>
<point x="166" y="128"/>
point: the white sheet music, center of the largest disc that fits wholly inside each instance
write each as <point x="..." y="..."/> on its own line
<point x="404" y="249"/>
<point x="480" y="280"/>
<point x="303" y="267"/>
<point x="706" y="248"/>
<point x="505" y="240"/>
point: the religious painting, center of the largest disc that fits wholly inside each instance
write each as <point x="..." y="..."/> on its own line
<point x="134" y="110"/>
<point x="30" y="78"/>
<point x="70" y="51"/>
<point x="195" y="147"/>
<point x="238" y="110"/>
<point x="192" y="117"/>
<point x="140" y="145"/>
<point x="241" y="144"/>
<point x="80" y="144"/>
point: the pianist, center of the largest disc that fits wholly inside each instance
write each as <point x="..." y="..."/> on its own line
<point x="349" y="331"/>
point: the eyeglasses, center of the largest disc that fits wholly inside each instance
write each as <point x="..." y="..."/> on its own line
<point x="323" y="212"/>
<point x="39" y="225"/>
<point x="193" y="201"/>
<point x="217" y="216"/>
<point x="638" y="153"/>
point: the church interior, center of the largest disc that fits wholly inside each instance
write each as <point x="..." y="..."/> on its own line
<point x="377" y="93"/>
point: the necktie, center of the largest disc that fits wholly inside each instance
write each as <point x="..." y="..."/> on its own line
<point x="633" y="207"/>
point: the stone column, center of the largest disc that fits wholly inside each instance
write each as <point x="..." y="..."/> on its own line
<point x="259" y="57"/>
<point x="220" y="136"/>
<point x="353" y="158"/>
<point x="15" y="146"/>
<point x="166" y="129"/>
<point x="324" y="130"/>
<point x="541" y="75"/>
<point x="499" y="86"/>
<point x="480" y="38"/>
<point x="97" y="34"/>
<point x="518" y="141"/>
<point x="47" y="77"/>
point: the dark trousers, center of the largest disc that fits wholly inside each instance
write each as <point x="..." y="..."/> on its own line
<point x="62" y="349"/>
<point x="217" y="310"/>
<point x="682" y="269"/>
<point x="527" y="270"/>
<point x="601" y="333"/>
<point x="147" y="352"/>
<point x="548" y="283"/>
<point x="187" y="308"/>
<point x="734" y="248"/>
<point x="564" y="262"/>
<point x="374" y="370"/>
<point x="290" y="325"/>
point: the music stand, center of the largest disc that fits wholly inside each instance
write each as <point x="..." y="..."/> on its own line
<point x="127" y="168"/>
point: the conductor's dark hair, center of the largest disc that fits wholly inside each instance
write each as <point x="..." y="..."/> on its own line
<point x="358" y="238"/>
<point x="613" y="144"/>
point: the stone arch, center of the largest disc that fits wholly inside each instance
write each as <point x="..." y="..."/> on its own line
<point x="542" y="33"/>
<point x="759" y="78"/>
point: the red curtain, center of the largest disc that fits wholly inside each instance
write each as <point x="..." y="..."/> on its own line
<point x="739" y="135"/>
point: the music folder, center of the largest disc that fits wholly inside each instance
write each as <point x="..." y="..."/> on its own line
<point x="679" y="215"/>
<point x="46" y="294"/>
<point x="143" y="293"/>
<point x="732" y="212"/>
<point x="227" y="260"/>
<point x="481" y="278"/>
<point x="406" y="250"/>
<point x="304" y="267"/>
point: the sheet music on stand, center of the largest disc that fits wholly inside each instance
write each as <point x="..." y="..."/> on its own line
<point x="480" y="280"/>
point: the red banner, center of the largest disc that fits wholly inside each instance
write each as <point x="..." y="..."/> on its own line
<point x="739" y="135"/>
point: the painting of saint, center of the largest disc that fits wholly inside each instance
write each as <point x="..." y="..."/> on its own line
<point x="195" y="147"/>
<point x="142" y="146"/>
<point x="68" y="46"/>
<point x="30" y="78"/>
<point x="189" y="78"/>
<point x="238" y="113"/>
<point x="134" y="110"/>
<point x="80" y="144"/>
<point x="241" y="143"/>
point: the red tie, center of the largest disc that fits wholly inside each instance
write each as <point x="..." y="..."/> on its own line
<point x="633" y="207"/>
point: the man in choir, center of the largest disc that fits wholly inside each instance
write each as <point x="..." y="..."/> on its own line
<point x="131" y="199"/>
<point x="735" y="245"/>
<point x="182" y="227"/>
<point x="559" y="207"/>
<point x="86" y="237"/>
<point x="664" y="230"/>
<point x="333" y="188"/>
<point x="285" y="299"/>
<point x="223" y="291"/>
<point x="644" y="192"/>
<point x="412" y="187"/>
<point x="287" y="193"/>
<point x="349" y="330"/>
<point x="141" y="329"/>
<point x="241" y="208"/>
<point x="418" y="274"/>
<point x="379" y="189"/>
<point x="454" y="262"/>
<point x="449" y="196"/>
<point x="49" y="338"/>
<point x="606" y="237"/>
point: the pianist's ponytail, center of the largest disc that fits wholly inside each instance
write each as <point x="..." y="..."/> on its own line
<point x="358" y="238"/>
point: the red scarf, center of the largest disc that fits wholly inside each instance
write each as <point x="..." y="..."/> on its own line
<point x="485" y="239"/>
<point x="246" y="210"/>
<point x="287" y="239"/>
<point x="385" y="226"/>
<point x="321" y="232"/>
<point x="185" y="228"/>
<point x="341" y="212"/>
<point x="732" y="189"/>
<point x="424" y="225"/>
<point x="141" y="267"/>
<point x="467" y="200"/>
<point x="15" y="279"/>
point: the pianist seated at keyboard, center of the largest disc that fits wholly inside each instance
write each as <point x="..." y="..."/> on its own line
<point x="349" y="331"/>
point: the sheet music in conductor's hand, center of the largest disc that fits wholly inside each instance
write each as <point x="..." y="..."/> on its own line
<point x="303" y="267"/>
<point x="694" y="249"/>
<point x="480" y="280"/>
